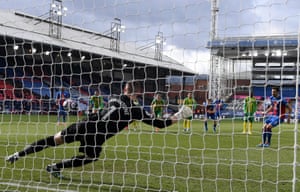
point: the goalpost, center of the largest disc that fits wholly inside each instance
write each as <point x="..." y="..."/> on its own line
<point x="223" y="50"/>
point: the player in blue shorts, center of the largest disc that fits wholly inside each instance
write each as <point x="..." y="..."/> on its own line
<point x="278" y="108"/>
<point x="210" y="113"/>
<point x="61" y="113"/>
<point x="218" y="103"/>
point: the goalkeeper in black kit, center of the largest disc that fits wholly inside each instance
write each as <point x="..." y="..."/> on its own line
<point x="93" y="131"/>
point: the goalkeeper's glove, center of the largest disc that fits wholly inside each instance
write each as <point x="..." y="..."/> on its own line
<point x="184" y="113"/>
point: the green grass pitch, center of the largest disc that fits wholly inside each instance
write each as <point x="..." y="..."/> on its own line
<point x="142" y="160"/>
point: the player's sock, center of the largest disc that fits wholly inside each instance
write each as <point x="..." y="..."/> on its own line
<point x="269" y="136"/>
<point x="38" y="146"/>
<point x="250" y="128"/>
<point x="214" y="128"/>
<point x="244" y="127"/>
<point x="188" y="124"/>
<point x="264" y="137"/>
<point x="205" y="126"/>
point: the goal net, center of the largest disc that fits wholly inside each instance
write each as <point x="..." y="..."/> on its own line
<point x="59" y="59"/>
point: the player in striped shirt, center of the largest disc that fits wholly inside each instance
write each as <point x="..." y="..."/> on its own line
<point x="96" y="102"/>
<point x="191" y="103"/>
<point x="250" y="106"/>
<point x="158" y="107"/>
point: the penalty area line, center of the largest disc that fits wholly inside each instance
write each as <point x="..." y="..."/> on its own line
<point x="34" y="187"/>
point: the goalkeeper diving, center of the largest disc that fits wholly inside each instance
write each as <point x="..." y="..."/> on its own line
<point x="93" y="131"/>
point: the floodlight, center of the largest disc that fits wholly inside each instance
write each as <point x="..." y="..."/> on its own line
<point x="122" y="28"/>
<point x="158" y="39"/>
<point x="16" y="47"/>
<point x="266" y="53"/>
<point x="33" y="50"/>
<point x="57" y="10"/>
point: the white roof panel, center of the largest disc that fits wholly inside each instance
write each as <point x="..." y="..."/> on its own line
<point x="29" y="27"/>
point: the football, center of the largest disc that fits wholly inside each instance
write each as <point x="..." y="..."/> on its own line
<point x="67" y="104"/>
<point x="184" y="112"/>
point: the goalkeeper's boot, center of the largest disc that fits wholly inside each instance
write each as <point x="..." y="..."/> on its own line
<point x="12" y="158"/>
<point x="54" y="171"/>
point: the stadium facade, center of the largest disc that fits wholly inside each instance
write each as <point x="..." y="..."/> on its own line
<point x="34" y="65"/>
<point x="273" y="59"/>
